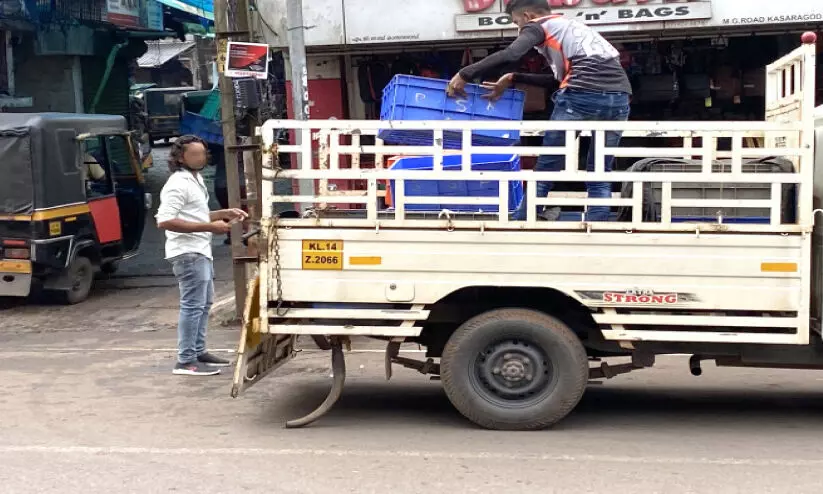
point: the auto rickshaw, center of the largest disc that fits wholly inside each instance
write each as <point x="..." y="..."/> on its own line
<point x="72" y="201"/>
<point x="163" y="111"/>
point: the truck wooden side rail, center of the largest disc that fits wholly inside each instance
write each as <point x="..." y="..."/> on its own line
<point x="513" y="312"/>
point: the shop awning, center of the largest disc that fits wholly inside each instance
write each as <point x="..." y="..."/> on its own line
<point x="160" y="52"/>
<point x="199" y="8"/>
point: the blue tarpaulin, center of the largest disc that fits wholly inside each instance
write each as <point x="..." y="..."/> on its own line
<point x="200" y="8"/>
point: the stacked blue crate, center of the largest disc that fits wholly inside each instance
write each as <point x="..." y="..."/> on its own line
<point x="420" y="98"/>
<point x="459" y="188"/>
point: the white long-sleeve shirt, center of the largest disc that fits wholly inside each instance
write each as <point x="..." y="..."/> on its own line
<point x="185" y="197"/>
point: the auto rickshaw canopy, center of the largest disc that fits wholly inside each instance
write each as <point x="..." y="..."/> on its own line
<point x="41" y="159"/>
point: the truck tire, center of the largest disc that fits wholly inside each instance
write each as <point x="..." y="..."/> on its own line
<point x="514" y="369"/>
<point x="81" y="277"/>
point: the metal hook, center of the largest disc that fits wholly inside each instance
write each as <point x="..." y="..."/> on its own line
<point x="448" y="215"/>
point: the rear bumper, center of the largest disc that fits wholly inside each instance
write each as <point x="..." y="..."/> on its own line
<point x="15" y="284"/>
<point x="15" y="278"/>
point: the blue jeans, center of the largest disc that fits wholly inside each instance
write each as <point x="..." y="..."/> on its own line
<point x="576" y="105"/>
<point x="195" y="276"/>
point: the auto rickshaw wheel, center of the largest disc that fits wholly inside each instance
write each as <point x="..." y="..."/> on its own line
<point x="81" y="276"/>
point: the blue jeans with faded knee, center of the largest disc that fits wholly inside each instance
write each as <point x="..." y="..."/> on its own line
<point x="576" y="105"/>
<point x="195" y="276"/>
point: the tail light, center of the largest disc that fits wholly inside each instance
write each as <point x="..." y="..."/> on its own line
<point x="16" y="253"/>
<point x="15" y="249"/>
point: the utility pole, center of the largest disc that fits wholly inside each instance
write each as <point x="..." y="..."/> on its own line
<point x="224" y="30"/>
<point x="299" y="76"/>
<point x="202" y="78"/>
<point x="297" y="59"/>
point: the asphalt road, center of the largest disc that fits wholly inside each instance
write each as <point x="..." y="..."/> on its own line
<point x="100" y="411"/>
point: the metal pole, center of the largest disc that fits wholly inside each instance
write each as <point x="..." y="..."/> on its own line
<point x="299" y="77"/>
<point x="297" y="59"/>
<point x="202" y="79"/>
<point x="223" y="31"/>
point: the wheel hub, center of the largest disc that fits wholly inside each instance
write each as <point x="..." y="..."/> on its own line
<point x="513" y="370"/>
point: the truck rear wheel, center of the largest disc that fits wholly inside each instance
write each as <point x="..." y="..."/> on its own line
<point x="514" y="369"/>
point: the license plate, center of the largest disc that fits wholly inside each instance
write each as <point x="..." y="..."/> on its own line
<point x="17" y="267"/>
<point x="325" y="255"/>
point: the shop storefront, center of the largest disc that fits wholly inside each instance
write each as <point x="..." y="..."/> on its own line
<point x="698" y="59"/>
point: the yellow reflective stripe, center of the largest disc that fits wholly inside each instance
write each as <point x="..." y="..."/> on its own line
<point x="49" y="214"/>
<point x="365" y="261"/>
<point x="17" y="267"/>
<point x="778" y="267"/>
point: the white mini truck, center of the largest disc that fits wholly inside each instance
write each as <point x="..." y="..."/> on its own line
<point x="713" y="253"/>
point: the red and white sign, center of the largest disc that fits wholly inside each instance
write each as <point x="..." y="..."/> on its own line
<point x="629" y="298"/>
<point x="247" y="60"/>
<point x="124" y="13"/>
<point x="472" y="6"/>
<point x="593" y="12"/>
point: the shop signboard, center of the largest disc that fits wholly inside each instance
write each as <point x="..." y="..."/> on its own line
<point x="125" y="13"/>
<point x="592" y="12"/>
<point x="423" y="21"/>
<point x="152" y="15"/>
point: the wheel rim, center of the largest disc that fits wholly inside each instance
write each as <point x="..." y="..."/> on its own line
<point x="513" y="373"/>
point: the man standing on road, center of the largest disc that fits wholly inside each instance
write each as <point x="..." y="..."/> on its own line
<point x="184" y="215"/>
<point x="593" y="86"/>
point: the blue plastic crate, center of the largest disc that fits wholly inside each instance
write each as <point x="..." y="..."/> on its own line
<point x="210" y="131"/>
<point x="460" y="188"/>
<point x="420" y="98"/>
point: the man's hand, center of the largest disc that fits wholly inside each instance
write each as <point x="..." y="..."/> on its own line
<point x="498" y="88"/>
<point x="457" y="86"/>
<point x="235" y="214"/>
<point x="230" y="215"/>
<point x="219" y="227"/>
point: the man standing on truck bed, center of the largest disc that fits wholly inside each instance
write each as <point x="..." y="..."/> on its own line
<point x="184" y="214"/>
<point x="593" y="86"/>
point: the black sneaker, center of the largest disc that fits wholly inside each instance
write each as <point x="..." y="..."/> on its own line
<point x="213" y="360"/>
<point x="548" y="214"/>
<point x="194" y="369"/>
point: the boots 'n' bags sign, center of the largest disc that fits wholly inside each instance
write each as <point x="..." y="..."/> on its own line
<point x="247" y="60"/>
<point x="480" y="16"/>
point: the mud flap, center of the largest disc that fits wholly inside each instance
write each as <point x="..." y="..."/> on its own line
<point x="258" y="353"/>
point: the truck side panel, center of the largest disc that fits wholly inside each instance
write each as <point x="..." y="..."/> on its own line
<point x="709" y="272"/>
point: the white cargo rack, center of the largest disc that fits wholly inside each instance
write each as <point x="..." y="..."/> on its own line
<point x="337" y="145"/>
